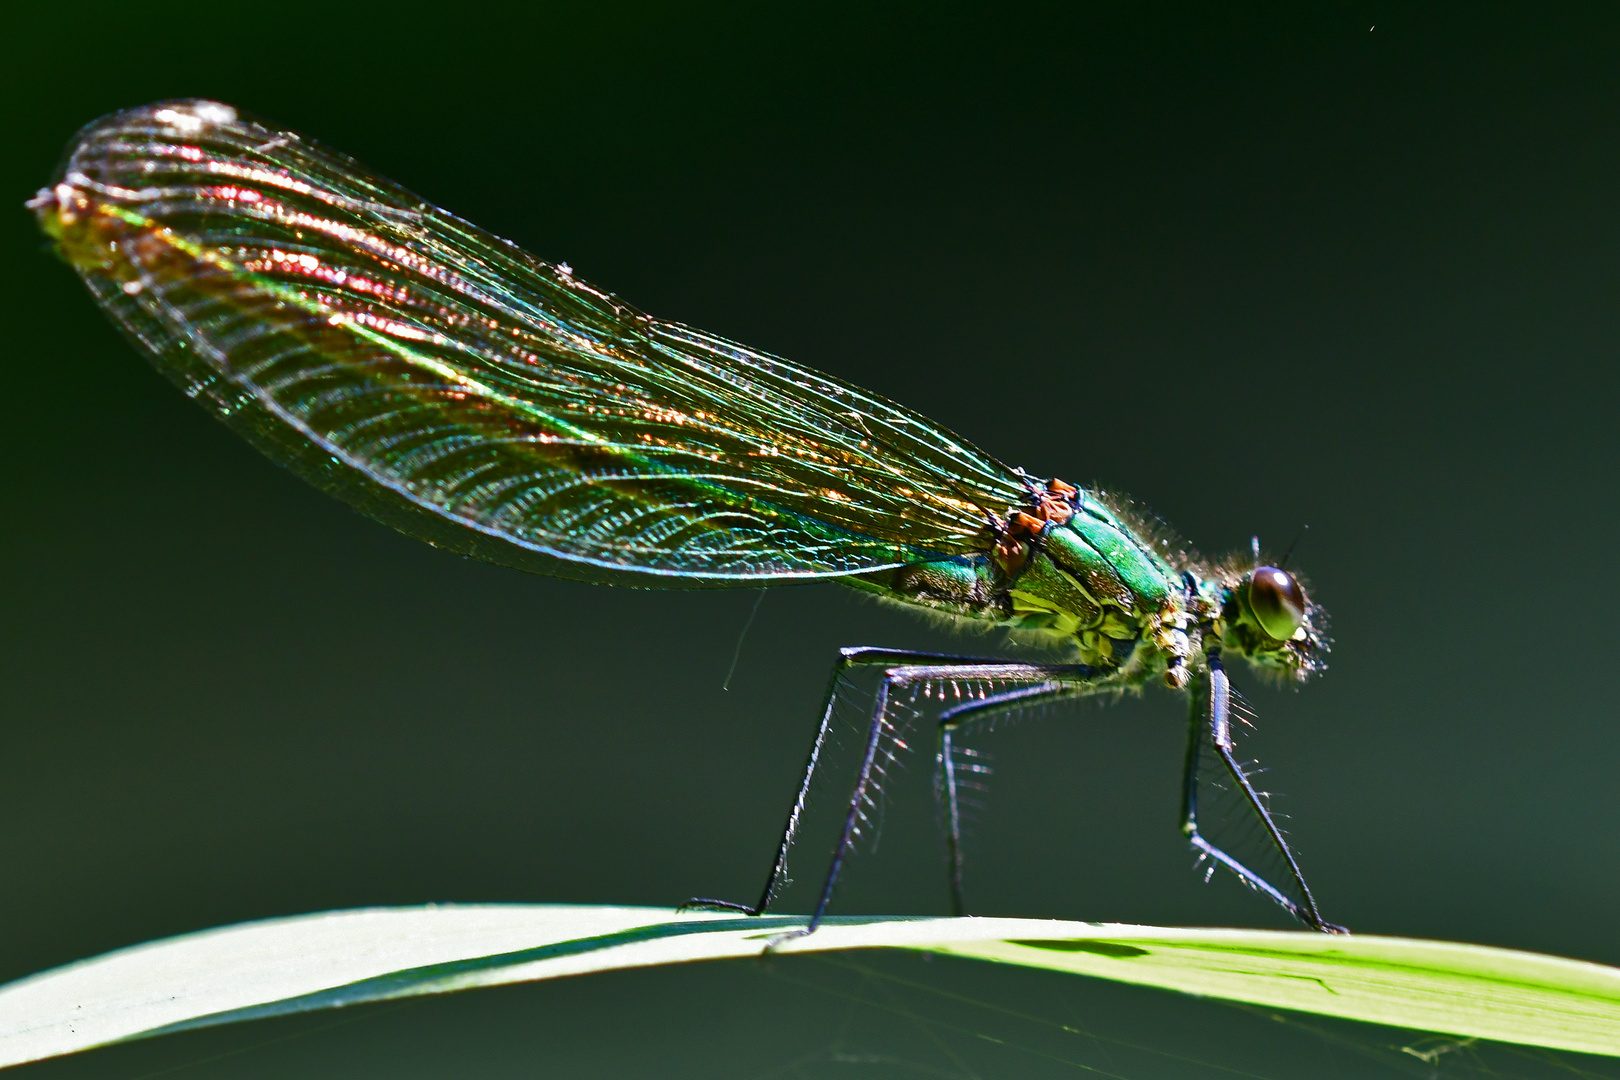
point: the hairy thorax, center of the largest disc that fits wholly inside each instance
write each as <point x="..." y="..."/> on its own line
<point x="1069" y="573"/>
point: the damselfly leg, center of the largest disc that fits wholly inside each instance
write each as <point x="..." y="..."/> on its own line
<point x="848" y="657"/>
<point x="1210" y="730"/>
<point x="1211" y="744"/>
<point x="903" y="668"/>
<point x="951" y="721"/>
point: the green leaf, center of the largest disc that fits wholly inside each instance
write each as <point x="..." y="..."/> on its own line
<point x="338" y="958"/>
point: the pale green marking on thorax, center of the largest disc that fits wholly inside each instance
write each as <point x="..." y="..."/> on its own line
<point x="1123" y="588"/>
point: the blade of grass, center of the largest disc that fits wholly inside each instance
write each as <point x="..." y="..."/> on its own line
<point x="307" y="962"/>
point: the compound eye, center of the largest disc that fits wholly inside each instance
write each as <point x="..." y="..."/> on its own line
<point x="1277" y="601"/>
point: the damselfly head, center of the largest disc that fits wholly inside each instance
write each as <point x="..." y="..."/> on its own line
<point x="1269" y="618"/>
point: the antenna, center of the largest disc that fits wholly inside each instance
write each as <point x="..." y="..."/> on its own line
<point x="1303" y="529"/>
<point x="1254" y="546"/>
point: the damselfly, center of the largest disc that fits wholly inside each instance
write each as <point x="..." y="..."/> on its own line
<point x="464" y="392"/>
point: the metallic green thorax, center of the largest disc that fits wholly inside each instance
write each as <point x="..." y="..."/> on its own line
<point x="1082" y="573"/>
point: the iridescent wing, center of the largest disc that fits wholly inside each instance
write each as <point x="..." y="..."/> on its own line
<point x="444" y="381"/>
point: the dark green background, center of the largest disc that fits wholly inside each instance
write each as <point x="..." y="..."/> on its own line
<point x="1255" y="267"/>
